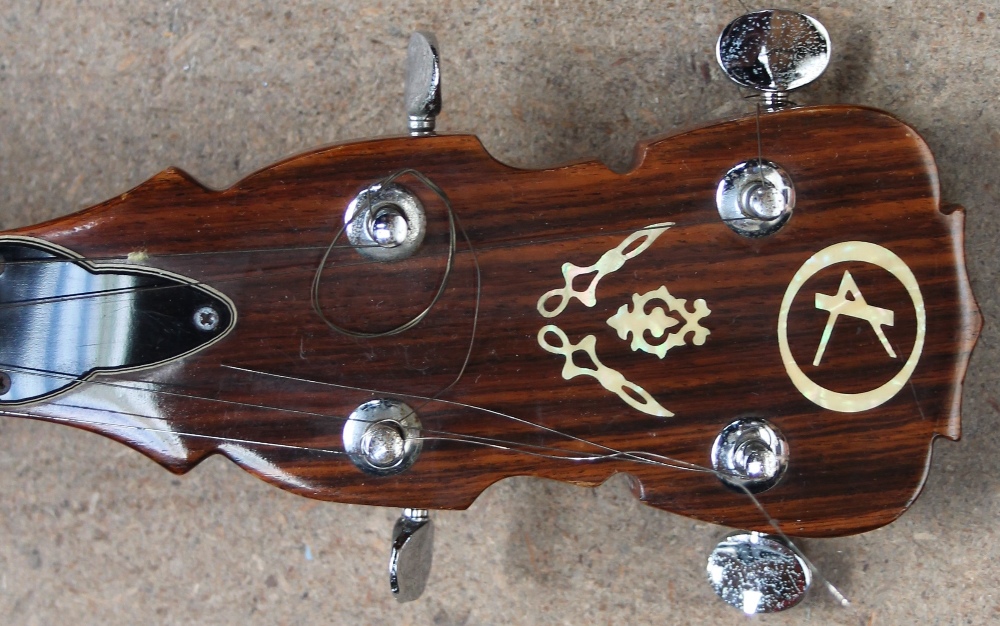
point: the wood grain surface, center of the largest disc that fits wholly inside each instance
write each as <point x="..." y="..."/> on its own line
<point x="274" y="394"/>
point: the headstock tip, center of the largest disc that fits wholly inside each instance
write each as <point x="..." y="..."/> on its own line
<point x="969" y="327"/>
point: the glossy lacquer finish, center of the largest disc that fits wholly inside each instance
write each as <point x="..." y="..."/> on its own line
<point x="65" y="320"/>
<point x="272" y="395"/>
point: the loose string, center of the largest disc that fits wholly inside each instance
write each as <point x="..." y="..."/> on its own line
<point x="215" y="282"/>
<point x="454" y="226"/>
<point x="123" y="385"/>
<point x="363" y="212"/>
<point x="609" y="453"/>
<point x="514" y="446"/>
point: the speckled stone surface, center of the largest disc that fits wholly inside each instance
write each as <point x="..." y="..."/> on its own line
<point x="95" y="97"/>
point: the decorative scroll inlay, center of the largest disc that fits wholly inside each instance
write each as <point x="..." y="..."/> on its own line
<point x="637" y="322"/>
<point x="610" y="262"/>
<point x="611" y="379"/>
<point x="850" y="301"/>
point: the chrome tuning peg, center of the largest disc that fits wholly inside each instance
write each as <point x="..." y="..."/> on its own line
<point x="412" y="552"/>
<point x="774" y="52"/>
<point x="758" y="573"/>
<point x="750" y="454"/>
<point x="423" y="83"/>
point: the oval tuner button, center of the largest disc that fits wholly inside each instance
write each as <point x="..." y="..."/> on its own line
<point x="758" y="573"/>
<point x="774" y="52"/>
<point x="423" y="83"/>
<point x="411" y="554"/>
<point x="755" y="198"/>
<point x="379" y="437"/>
<point x="750" y="454"/>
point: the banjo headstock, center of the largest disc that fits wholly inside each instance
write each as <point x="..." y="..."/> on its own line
<point x="765" y="322"/>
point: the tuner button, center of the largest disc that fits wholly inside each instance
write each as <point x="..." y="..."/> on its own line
<point x="758" y="573"/>
<point x="774" y="52"/>
<point x="411" y="555"/>
<point x="423" y="83"/>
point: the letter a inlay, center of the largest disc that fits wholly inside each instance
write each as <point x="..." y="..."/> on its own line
<point x="849" y="301"/>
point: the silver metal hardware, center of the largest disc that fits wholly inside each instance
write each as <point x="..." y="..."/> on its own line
<point x="4" y="383"/>
<point x="411" y="554"/>
<point x="389" y="227"/>
<point x="750" y="454"/>
<point x="380" y="437"/>
<point x="385" y="222"/>
<point x="774" y="52"/>
<point x="3" y="264"/>
<point x="423" y="83"/>
<point x="755" y="198"/>
<point x="382" y="444"/>
<point x="206" y="318"/>
<point x="758" y="573"/>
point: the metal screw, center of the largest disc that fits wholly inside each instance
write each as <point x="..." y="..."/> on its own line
<point x="4" y="383"/>
<point x="755" y="198"/>
<point x="206" y="318"/>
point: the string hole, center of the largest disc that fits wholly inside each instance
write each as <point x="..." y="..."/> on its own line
<point x="762" y="201"/>
<point x="383" y="444"/>
<point x="4" y="383"/>
<point x="388" y="227"/>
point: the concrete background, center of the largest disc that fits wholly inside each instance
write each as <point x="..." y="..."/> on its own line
<point x="95" y="97"/>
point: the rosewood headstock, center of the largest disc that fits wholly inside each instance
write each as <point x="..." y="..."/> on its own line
<point x="776" y="304"/>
